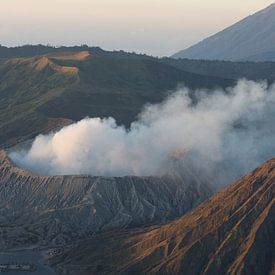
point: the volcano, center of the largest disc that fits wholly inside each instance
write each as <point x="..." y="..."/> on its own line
<point x="231" y="233"/>
<point x="56" y="210"/>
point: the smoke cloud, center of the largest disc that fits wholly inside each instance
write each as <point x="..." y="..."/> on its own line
<point x="223" y="134"/>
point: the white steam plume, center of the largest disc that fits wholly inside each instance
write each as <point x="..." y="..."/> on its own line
<point x="224" y="134"/>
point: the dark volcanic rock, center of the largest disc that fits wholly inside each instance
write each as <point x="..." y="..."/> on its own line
<point x="56" y="210"/>
<point x="231" y="233"/>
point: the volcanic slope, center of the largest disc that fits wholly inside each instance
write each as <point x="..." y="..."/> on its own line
<point x="231" y="233"/>
<point x="38" y="210"/>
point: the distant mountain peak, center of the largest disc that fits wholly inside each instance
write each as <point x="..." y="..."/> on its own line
<point x="251" y="39"/>
<point x="271" y="6"/>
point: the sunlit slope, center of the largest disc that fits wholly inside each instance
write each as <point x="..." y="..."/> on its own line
<point x="231" y="233"/>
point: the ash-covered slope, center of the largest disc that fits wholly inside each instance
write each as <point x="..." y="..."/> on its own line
<point x="232" y="233"/>
<point x="251" y="39"/>
<point x="55" y="210"/>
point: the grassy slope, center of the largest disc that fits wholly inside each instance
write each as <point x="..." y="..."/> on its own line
<point x="120" y="87"/>
<point x="22" y="90"/>
<point x="34" y="96"/>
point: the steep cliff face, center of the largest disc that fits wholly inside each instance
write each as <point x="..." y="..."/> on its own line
<point x="231" y="233"/>
<point x="55" y="210"/>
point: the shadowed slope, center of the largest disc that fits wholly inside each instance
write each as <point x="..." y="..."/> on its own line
<point x="234" y="70"/>
<point x="231" y="233"/>
<point x="38" y="93"/>
<point x="57" y="210"/>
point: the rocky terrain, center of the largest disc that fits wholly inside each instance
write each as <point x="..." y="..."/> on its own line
<point x="95" y="219"/>
<point x="40" y="210"/>
<point x="231" y="233"/>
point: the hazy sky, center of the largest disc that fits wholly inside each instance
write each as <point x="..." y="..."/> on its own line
<point x="157" y="27"/>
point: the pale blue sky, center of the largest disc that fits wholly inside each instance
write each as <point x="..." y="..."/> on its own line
<point x="157" y="27"/>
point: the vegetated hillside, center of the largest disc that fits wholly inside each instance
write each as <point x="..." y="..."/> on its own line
<point x="223" y="69"/>
<point x="226" y="69"/>
<point x="26" y="84"/>
<point x="38" y="50"/>
<point x="231" y="233"/>
<point x="41" y="211"/>
<point x="251" y="39"/>
<point x="44" y="92"/>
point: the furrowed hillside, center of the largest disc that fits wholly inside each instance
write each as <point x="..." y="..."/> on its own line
<point x="231" y="233"/>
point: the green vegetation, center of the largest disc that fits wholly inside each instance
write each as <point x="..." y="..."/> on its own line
<point x="39" y="93"/>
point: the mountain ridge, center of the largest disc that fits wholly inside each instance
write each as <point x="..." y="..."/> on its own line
<point x="56" y="210"/>
<point x="39" y="93"/>
<point x="250" y="39"/>
<point x="230" y="233"/>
